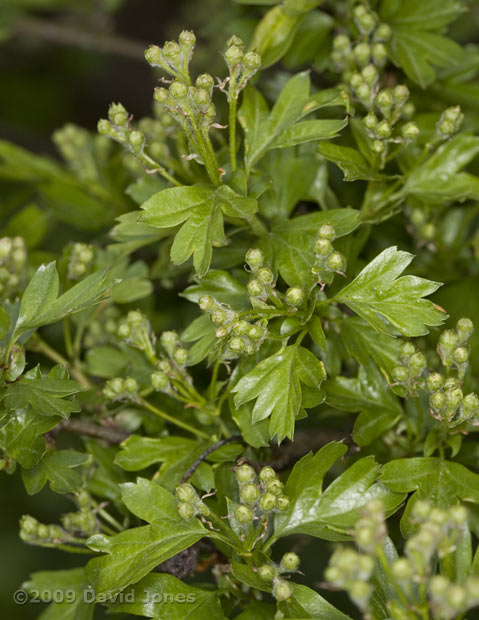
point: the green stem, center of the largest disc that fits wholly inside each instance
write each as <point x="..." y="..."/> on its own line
<point x="40" y="346"/>
<point x="156" y="167"/>
<point x="387" y="569"/>
<point x="68" y="337"/>
<point x="172" y="420"/>
<point x="232" y="128"/>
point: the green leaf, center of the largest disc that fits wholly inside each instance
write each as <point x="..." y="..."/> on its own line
<point x="306" y="603"/>
<point x="130" y="234"/>
<point x="363" y="343"/>
<point x="45" y="395"/>
<point x="306" y="131"/>
<point x="203" y="230"/>
<point x="293" y="241"/>
<point x="166" y="597"/>
<point x="275" y="383"/>
<point x="351" y="162"/>
<point x="439" y="179"/>
<point x="222" y="286"/>
<point x="369" y="394"/>
<point x="78" y="601"/>
<point x="234" y="205"/>
<point x="391" y="304"/>
<point x="133" y="553"/>
<point x="425" y="15"/>
<point x="261" y="129"/>
<point x="31" y="223"/>
<point x="330" y="514"/>
<point x="59" y="468"/>
<point x="174" y="205"/>
<point x="22" y="436"/>
<point x="149" y="501"/>
<point x="41" y="292"/>
<point x="5" y="323"/>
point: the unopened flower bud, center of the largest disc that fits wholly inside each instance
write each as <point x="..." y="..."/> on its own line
<point x="460" y="355"/>
<point x="383" y="32"/>
<point x="336" y="262"/>
<point x="384" y="100"/>
<point x="267" y="502"/>
<point x="254" y="258"/>
<point x="362" y="53"/>
<point x="370" y="121"/>
<point x="171" y="51"/>
<point x="434" y="382"/>
<point x="370" y="74"/>
<point x="254" y="288"/>
<point x="364" y="20"/>
<point x="221" y="332"/>
<point x="454" y="398"/>
<point x="266" y="572"/>
<point x="267" y="473"/>
<point x="410" y="131"/>
<point x="282" y="502"/>
<point x="178" y="90"/>
<point x="249" y="493"/>
<point x="418" y="362"/>
<point x="199" y="96"/>
<point x="218" y="317"/>
<point x="265" y="275"/>
<point x="136" y="139"/>
<point x="470" y="404"/>
<point x="323" y="247"/>
<point x="233" y="56"/>
<point x="289" y="561"/>
<point x="458" y="514"/>
<point x="206" y="302"/>
<point x="159" y="380"/>
<point x="130" y="385"/>
<point x="438" y="585"/>
<point x="186" y="510"/>
<point x="274" y="486"/>
<point x="240" y="328"/>
<point x="205" y="81"/>
<point x="282" y="590"/>
<point x="185" y="492"/>
<point x="363" y="91"/>
<point x="294" y="296"/>
<point x="153" y="55"/>
<point x="251" y="63"/>
<point x="464" y="328"/>
<point x="356" y="80"/>
<point x="256" y="332"/>
<point x="243" y="514"/>
<point x="236" y="345"/>
<point x="383" y="129"/>
<point x="244" y="473"/>
<point x="161" y="95"/>
<point x="448" y="340"/>
<point x="104" y="127"/>
<point x="378" y="147"/>
<point x="380" y="54"/>
<point x="438" y="401"/>
<point x="180" y="356"/>
<point x="402" y="569"/>
<point x="187" y="40"/>
<point x="341" y="42"/>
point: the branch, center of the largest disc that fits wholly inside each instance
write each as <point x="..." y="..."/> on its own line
<point x="110" y="434"/>
<point x="68" y="35"/>
<point x="191" y="470"/>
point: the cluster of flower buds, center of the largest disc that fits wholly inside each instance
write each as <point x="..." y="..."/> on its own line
<point x="170" y="341"/>
<point x="450" y="122"/>
<point x="448" y="403"/>
<point x="13" y="257"/>
<point x="119" y="389"/>
<point x="136" y="331"/>
<point x="103" y="330"/>
<point x="438" y="534"/>
<point x="241" y="66"/>
<point x="282" y="589"/>
<point x="328" y="261"/>
<point x="452" y="600"/>
<point x="35" y="533"/>
<point x="83" y="522"/>
<point x="259" y="495"/>
<point x="261" y="287"/>
<point x="118" y="127"/>
<point x="237" y="336"/>
<point x="452" y="346"/>
<point x="175" y="56"/>
<point x="370" y="530"/>
<point x="351" y="571"/>
<point x="78" y="149"/>
<point x="408" y="375"/>
<point x="156" y="131"/>
<point x="189" y="503"/>
<point x="80" y="260"/>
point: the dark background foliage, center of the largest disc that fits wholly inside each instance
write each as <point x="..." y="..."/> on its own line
<point x="64" y="61"/>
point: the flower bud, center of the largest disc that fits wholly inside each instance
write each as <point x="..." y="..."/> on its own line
<point x="454" y="398"/>
<point x="274" y="486"/>
<point x="136" y="140"/>
<point x="434" y="382"/>
<point x="205" y="82"/>
<point x="448" y="340"/>
<point x="384" y="100"/>
<point x="446" y="128"/>
<point x="408" y="110"/>
<point x="323" y="247"/>
<point x="254" y="258"/>
<point x="244" y="473"/>
<point x="267" y="502"/>
<point x="243" y="514"/>
<point x="178" y="90"/>
<point x="254" y="288"/>
<point x="282" y="590"/>
<point x="251" y="63"/>
<point x="364" y="19"/>
<point x="363" y="91"/>
<point x="410" y="131"/>
<point x="233" y="56"/>
<point x="401" y="93"/>
<point x="456" y="596"/>
<point x="130" y="385"/>
<point x="218" y="317"/>
<point x="370" y="74"/>
<point x="123" y="330"/>
<point x="289" y="561"/>
<point x="256" y="332"/>
<point x="418" y="362"/>
<point x="402" y="569"/>
<point x="356" y="80"/>
<point x="294" y="296"/>
<point x="42" y="531"/>
<point x="236" y="345"/>
<point x="266" y="572"/>
<point x="341" y="42"/>
<point x="264" y="274"/>
<point x="370" y="121"/>
<point x="438" y="585"/>
<point x="161" y="95"/>
<point x="187" y="40"/>
<point x="438" y="401"/>
<point x="383" y="32"/>
<point x="180" y="356"/>
<point x="249" y="493"/>
<point x="221" y="332"/>
<point x="460" y="355"/>
<point x="153" y="55"/>
<point x="240" y="328"/>
<point x="185" y="492"/>
<point x="200" y="97"/>
<point x="458" y="514"/>
<point x="464" y="328"/>
<point x="104" y="127"/>
<point x="380" y="54"/>
<point x="169" y="341"/>
<point x="383" y="130"/>
<point x="282" y="502"/>
<point x="186" y="510"/>
<point x="470" y="404"/>
<point x="267" y="473"/>
<point x="362" y="53"/>
<point x="336" y="262"/>
<point x="159" y="380"/>
<point x="171" y="51"/>
<point x="378" y="147"/>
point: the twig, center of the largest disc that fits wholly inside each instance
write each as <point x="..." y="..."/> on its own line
<point x="112" y="435"/>
<point x="68" y="35"/>
<point x="191" y="470"/>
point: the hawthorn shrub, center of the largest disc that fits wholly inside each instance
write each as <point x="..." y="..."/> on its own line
<point x="223" y="339"/>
